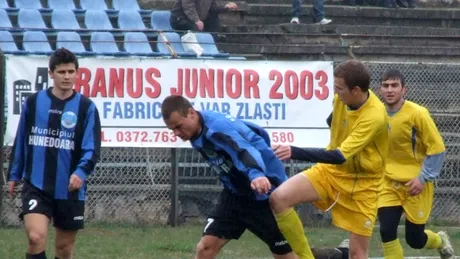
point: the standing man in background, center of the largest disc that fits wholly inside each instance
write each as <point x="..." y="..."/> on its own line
<point x="415" y="161"/>
<point x="319" y="14"/>
<point x="198" y="15"/>
<point x="57" y="145"/>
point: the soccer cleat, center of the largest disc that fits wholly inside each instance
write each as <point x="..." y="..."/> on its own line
<point x="345" y="244"/>
<point x="446" y="252"/>
<point x="327" y="253"/>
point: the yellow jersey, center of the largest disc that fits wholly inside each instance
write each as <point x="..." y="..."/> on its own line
<point x="362" y="137"/>
<point x="413" y="136"/>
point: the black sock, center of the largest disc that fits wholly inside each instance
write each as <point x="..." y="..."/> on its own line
<point x="56" y="257"/>
<point x="41" y="255"/>
<point x="344" y="252"/>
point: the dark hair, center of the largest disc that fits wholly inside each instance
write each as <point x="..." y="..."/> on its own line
<point x="354" y="73"/>
<point x="175" y="103"/>
<point x="395" y="75"/>
<point x="62" y="56"/>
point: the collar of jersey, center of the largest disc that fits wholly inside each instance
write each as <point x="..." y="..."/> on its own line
<point x="52" y="96"/>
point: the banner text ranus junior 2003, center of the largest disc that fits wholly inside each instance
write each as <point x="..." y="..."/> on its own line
<point x="290" y="99"/>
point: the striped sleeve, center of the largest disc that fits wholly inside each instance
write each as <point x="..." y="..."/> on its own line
<point x="18" y="152"/>
<point x="91" y="144"/>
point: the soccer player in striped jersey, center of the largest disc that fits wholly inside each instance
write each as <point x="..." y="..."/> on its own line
<point x="57" y="145"/>
<point x="415" y="161"/>
<point x="248" y="169"/>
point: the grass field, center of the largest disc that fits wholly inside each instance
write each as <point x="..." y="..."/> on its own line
<point x="118" y="242"/>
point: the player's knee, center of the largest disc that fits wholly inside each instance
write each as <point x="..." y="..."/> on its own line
<point x="205" y="249"/>
<point x="388" y="234"/>
<point x="415" y="235"/>
<point x="36" y="238"/>
<point x="415" y="243"/>
<point x="416" y="240"/>
<point x="277" y="202"/>
<point x="64" y="250"/>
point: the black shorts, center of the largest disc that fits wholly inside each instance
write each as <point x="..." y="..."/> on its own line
<point x="66" y="214"/>
<point x="233" y="215"/>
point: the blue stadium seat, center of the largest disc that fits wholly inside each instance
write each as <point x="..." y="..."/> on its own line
<point x="206" y="41"/>
<point x="64" y="4"/>
<point x="36" y="42"/>
<point x="130" y="20"/>
<point x="136" y="43"/>
<point x="93" y="5"/>
<point x="96" y="5"/>
<point x="71" y="41"/>
<point x="97" y="20"/>
<point x="128" y="5"/>
<point x="64" y="19"/>
<point x="4" y="5"/>
<point x="175" y="43"/>
<point x="104" y="43"/>
<point x="160" y="21"/>
<point x="30" y="4"/>
<point x="30" y="19"/>
<point x="7" y="44"/>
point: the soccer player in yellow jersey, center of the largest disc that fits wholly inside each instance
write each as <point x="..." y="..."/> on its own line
<point x="415" y="160"/>
<point x="346" y="177"/>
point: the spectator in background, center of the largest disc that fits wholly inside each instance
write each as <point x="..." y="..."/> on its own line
<point x="318" y="12"/>
<point x="198" y="15"/>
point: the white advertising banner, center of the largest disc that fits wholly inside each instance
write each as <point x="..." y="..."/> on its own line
<point x="291" y="99"/>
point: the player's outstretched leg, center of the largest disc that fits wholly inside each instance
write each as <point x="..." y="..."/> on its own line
<point x="36" y="226"/>
<point x="295" y="190"/>
<point x="418" y="237"/>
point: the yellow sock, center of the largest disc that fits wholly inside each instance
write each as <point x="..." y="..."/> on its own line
<point x="290" y="225"/>
<point x="393" y="250"/>
<point x="434" y="240"/>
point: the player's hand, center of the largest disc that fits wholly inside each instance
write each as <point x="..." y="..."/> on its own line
<point x="199" y="25"/>
<point x="261" y="185"/>
<point x="282" y="151"/>
<point x="231" y="5"/>
<point x="11" y="185"/>
<point x="415" y="187"/>
<point x="75" y="183"/>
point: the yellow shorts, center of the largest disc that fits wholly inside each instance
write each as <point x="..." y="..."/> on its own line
<point x="417" y="209"/>
<point x="355" y="216"/>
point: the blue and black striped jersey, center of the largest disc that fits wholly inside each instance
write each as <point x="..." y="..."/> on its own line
<point x="240" y="151"/>
<point x="56" y="138"/>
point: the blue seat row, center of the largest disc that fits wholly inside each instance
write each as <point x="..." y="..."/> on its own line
<point x="103" y="43"/>
<point x="70" y="5"/>
<point x="65" y="19"/>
